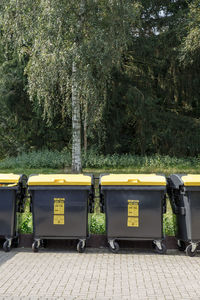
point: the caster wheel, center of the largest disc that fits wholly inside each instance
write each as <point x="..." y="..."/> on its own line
<point x="189" y="251"/>
<point x="80" y="247"/>
<point x="115" y="249"/>
<point x="163" y="249"/>
<point x="6" y="246"/>
<point x="35" y="246"/>
<point x="181" y="245"/>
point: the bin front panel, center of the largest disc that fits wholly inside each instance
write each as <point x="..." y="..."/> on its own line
<point x="7" y="212"/>
<point x="60" y="213"/>
<point x="134" y="214"/>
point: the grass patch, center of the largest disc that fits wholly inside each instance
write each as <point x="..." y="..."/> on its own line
<point x="45" y="159"/>
<point x="28" y="171"/>
<point x="54" y="161"/>
<point x="141" y="164"/>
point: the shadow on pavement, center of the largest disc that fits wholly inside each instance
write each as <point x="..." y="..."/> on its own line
<point x="103" y="250"/>
<point x="5" y="256"/>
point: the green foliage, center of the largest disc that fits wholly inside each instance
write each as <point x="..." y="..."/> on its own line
<point x="139" y="99"/>
<point x="142" y="100"/>
<point x="168" y="225"/>
<point x="169" y="222"/>
<point x="97" y="224"/>
<point x="21" y="125"/>
<point x="116" y="161"/>
<point x="129" y="163"/>
<point x="191" y="44"/>
<point x="25" y="219"/>
<point x="26" y="225"/>
<point x="38" y="159"/>
<point x="92" y="34"/>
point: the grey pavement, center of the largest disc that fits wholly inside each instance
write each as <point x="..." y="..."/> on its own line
<point x="98" y="274"/>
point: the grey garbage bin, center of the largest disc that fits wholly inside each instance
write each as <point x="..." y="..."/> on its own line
<point x="184" y="194"/>
<point x="12" y="196"/>
<point x="134" y="205"/>
<point x="60" y="205"/>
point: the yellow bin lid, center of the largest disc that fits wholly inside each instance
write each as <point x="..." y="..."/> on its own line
<point x="9" y="178"/>
<point x="59" y="179"/>
<point x="191" y="180"/>
<point x="133" y="179"/>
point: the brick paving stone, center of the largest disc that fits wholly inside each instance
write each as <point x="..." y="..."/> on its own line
<point x="98" y="275"/>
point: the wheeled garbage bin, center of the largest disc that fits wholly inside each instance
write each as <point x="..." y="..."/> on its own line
<point x="184" y="194"/>
<point x="12" y="196"/>
<point x="60" y="204"/>
<point x="134" y="205"/>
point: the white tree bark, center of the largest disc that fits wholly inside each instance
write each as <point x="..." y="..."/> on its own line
<point x="76" y="124"/>
<point x="85" y="128"/>
<point x="76" y="117"/>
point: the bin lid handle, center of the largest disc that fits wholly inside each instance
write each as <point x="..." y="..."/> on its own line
<point x="60" y="180"/>
<point x="134" y="180"/>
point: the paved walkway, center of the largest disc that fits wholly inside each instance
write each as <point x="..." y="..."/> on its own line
<point x="98" y="274"/>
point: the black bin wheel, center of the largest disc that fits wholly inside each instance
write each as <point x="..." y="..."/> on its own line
<point x="163" y="249"/>
<point x="80" y="247"/>
<point x="181" y="245"/>
<point x="6" y="246"/>
<point x="189" y="251"/>
<point x="116" y="247"/>
<point x="35" y="246"/>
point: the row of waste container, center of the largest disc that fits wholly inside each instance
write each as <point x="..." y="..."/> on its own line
<point x="134" y="205"/>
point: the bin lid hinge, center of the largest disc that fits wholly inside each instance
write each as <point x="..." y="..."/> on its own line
<point x="182" y="190"/>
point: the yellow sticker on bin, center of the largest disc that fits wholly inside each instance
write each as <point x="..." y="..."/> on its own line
<point x="59" y="179"/>
<point x="59" y="206"/>
<point x="59" y="211"/>
<point x="9" y="178"/>
<point x="59" y="220"/>
<point x="133" y="222"/>
<point x="133" y="208"/>
<point x="133" y="179"/>
<point x="191" y="180"/>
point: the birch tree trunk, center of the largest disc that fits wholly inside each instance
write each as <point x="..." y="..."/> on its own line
<point x="85" y="128"/>
<point x="76" y="117"/>
<point x="76" y="124"/>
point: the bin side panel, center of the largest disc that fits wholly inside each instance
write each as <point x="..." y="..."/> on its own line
<point x="149" y="209"/>
<point x="73" y="221"/>
<point x="183" y="220"/>
<point x="194" y="201"/>
<point x="7" y="212"/>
